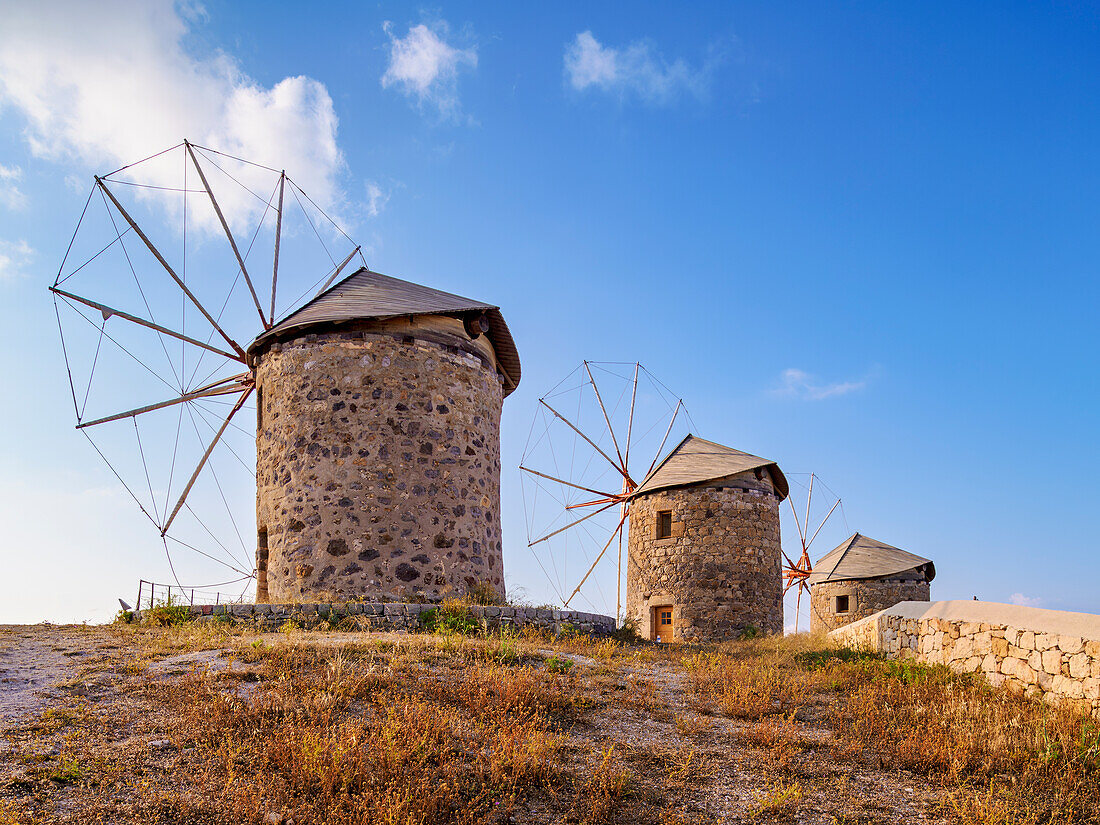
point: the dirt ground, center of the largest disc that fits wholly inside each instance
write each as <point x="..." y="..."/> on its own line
<point x="70" y="691"/>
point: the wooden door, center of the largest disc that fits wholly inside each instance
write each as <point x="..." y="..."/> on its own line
<point x="661" y="624"/>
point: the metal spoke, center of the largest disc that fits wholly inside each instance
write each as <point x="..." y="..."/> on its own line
<point x="211" y="390"/>
<point x="589" y="440"/>
<point x="338" y="270"/>
<point x="110" y="311"/>
<point x="205" y="458"/>
<point x="663" y="440"/>
<point x="278" y="239"/>
<point x="566" y="483"/>
<point x="572" y="524"/>
<point x="228" y="233"/>
<point x="607" y="420"/>
<point x="597" y="561"/>
<point x="630" y="423"/>
<point x="156" y="253"/>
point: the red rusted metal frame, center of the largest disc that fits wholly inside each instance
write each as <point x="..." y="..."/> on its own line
<point x="577" y="589"/>
<point x="572" y="524"/>
<point x="607" y="419"/>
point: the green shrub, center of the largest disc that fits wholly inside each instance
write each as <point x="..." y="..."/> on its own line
<point x="557" y="664"/>
<point x="627" y="632"/>
<point x="452" y="616"/>
<point x="167" y="614"/>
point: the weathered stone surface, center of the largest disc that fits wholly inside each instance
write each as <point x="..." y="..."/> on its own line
<point x="1039" y="664"/>
<point x="378" y="465"/>
<point x="404" y="617"/>
<point x="720" y="570"/>
<point x="865" y="598"/>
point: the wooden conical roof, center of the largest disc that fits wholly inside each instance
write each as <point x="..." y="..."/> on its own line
<point x="862" y="557"/>
<point x="696" y="461"/>
<point x="366" y="295"/>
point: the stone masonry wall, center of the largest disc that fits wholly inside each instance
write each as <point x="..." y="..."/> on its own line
<point x="404" y="617"/>
<point x="1061" y="667"/>
<point x="378" y="468"/>
<point x="865" y="597"/>
<point x="720" y="570"/>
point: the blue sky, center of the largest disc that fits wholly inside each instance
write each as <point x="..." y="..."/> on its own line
<point x="858" y="239"/>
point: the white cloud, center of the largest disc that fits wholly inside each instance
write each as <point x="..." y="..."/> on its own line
<point x="111" y="82"/>
<point x="799" y="384"/>
<point x="634" y="69"/>
<point x="11" y="195"/>
<point x="1025" y="601"/>
<point x="377" y="198"/>
<point x="425" y="66"/>
<point x="14" y="259"/>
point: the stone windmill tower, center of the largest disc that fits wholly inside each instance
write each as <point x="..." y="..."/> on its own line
<point x="705" y="556"/>
<point x="378" y="444"/>
<point x="863" y="576"/>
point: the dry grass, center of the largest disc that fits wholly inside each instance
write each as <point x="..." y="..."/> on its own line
<point x="339" y="727"/>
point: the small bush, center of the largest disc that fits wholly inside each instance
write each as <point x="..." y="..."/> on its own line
<point x="558" y="664"/>
<point x="451" y="617"/>
<point x="484" y="593"/>
<point x="167" y="614"/>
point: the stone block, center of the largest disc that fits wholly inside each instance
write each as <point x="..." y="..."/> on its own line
<point x="1045" y="641"/>
<point x="1070" y="688"/>
<point x="1079" y="666"/>
<point x="1071" y="644"/>
<point x="393" y="610"/>
<point x="1052" y="661"/>
<point x="1027" y="640"/>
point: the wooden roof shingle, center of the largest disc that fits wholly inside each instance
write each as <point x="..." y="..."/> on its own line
<point x="697" y="461"/>
<point x="861" y="557"/>
<point x="366" y="295"/>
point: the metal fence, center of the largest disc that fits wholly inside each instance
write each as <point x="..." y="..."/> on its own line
<point x="152" y="594"/>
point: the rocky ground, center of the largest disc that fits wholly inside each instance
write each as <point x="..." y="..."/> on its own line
<point x="116" y="724"/>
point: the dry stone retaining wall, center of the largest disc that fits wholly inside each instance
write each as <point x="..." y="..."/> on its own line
<point x="378" y="467"/>
<point x="720" y="569"/>
<point x="1049" y="652"/>
<point x="405" y="617"/>
<point x="865" y="598"/>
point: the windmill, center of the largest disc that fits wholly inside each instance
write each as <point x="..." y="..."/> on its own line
<point x="177" y="262"/>
<point x="594" y="438"/>
<point x="797" y="573"/>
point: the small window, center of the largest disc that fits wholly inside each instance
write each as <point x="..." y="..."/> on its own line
<point x="664" y="524"/>
<point x="666" y="616"/>
<point x="841" y="604"/>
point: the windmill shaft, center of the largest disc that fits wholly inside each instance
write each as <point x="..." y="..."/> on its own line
<point x="589" y="440"/>
<point x="205" y="458"/>
<point x="156" y="253"/>
<point x="566" y="483"/>
<point x="675" y="412"/>
<point x="228" y="233"/>
<point x="278" y="239"/>
<point x="211" y="392"/>
<point x="597" y="561"/>
<point x="630" y="421"/>
<point x="141" y="321"/>
<point x="603" y="409"/>
<point x="573" y="524"/>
